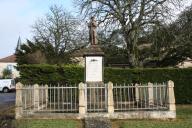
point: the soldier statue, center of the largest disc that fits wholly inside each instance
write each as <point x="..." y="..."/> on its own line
<point x="92" y="31"/>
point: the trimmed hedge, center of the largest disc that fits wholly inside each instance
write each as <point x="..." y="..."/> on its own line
<point x="51" y="74"/>
<point x="181" y="77"/>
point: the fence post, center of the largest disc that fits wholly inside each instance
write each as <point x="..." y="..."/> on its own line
<point x="171" y="96"/>
<point x="110" y="98"/>
<point x="46" y="95"/>
<point x="36" y="97"/>
<point x="150" y="93"/>
<point x="137" y="92"/>
<point x="82" y="104"/>
<point x="19" y="108"/>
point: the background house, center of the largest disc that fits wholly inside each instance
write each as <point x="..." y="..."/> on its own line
<point x="77" y="57"/>
<point x="9" y="63"/>
<point x="185" y="64"/>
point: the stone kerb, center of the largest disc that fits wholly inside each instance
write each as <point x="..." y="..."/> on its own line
<point x="18" y="102"/>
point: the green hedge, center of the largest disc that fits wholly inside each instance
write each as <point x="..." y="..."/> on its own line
<point x="181" y="77"/>
<point x="52" y="74"/>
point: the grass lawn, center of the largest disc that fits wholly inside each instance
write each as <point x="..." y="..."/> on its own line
<point x="48" y="124"/>
<point x="184" y="120"/>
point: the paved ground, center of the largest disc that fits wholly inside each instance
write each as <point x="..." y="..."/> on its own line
<point x="7" y="113"/>
<point x="97" y="123"/>
<point x="7" y="100"/>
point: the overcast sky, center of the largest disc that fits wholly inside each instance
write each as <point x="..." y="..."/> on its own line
<point x="17" y="16"/>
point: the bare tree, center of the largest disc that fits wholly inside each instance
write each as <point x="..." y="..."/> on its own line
<point x="60" y="29"/>
<point x="130" y="16"/>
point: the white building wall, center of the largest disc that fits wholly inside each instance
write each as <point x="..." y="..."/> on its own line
<point x="185" y="65"/>
<point x="79" y="60"/>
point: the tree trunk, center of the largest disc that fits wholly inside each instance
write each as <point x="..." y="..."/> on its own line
<point x="132" y="51"/>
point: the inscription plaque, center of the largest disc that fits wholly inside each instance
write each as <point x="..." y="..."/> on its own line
<point x="94" y="71"/>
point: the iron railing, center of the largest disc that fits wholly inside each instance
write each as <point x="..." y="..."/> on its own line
<point x="140" y="97"/>
<point x="96" y="97"/>
<point x="60" y="98"/>
<point x="27" y="97"/>
<point x="65" y="98"/>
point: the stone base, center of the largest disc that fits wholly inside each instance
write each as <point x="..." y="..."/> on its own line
<point x="162" y="115"/>
<point x="94" y="50"/>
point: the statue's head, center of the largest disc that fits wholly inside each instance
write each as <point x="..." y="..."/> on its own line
<point x="93" y="18"/>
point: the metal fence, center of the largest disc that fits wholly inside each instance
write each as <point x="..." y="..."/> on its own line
<point x="60" y="98"/>
<point x="140" y="97"/>
<point x="28" y="97"/>
<point x="94" y="98"/>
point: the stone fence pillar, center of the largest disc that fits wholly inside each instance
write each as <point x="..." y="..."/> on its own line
<point x="46" y="95"/>
<point x="36" y="97"/>
<point x="110" y="104"/>
<point x="171" y="96"/>
<point x="82" y="102"/>
<point x="137" y="92"/>
<point x="150" y="93"/>
<point x="18" y="101"/>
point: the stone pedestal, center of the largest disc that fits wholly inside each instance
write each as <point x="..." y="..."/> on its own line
<point x="94" y="76"/>
<point x="94" y="64"/>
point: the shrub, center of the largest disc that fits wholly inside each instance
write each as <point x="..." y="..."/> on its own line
<point x="7" y="73"/>
<point x="51" y="74"/>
